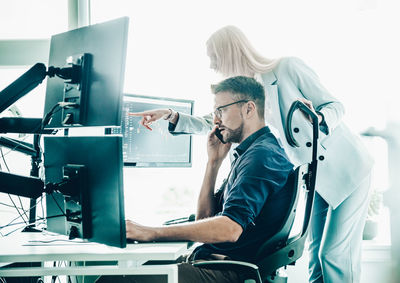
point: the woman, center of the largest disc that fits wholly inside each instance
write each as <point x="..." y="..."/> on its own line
<point x="344" y="169"/>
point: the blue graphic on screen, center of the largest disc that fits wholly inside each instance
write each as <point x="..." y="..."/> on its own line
<point x="156" y="148"/>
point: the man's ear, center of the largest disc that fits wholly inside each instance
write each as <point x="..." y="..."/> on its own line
<point x="251" y="109"/>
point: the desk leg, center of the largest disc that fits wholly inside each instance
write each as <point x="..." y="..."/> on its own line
<point x="130" y="263"/>
<point x="173" y="274"/>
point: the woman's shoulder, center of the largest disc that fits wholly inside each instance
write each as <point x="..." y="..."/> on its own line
<point x="291" y="63"/>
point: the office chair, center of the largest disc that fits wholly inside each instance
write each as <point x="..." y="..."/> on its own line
<point x="282" y="248"/>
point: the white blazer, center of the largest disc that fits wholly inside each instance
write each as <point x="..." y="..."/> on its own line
<point x="343" y="159"/>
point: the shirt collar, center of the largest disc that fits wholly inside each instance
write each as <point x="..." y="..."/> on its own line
<point x="244" y="145"/>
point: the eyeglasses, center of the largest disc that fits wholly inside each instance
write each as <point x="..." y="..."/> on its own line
<point x="218" y="112"/>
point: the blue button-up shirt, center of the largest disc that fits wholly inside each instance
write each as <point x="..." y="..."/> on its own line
<point x="256" y="183"/>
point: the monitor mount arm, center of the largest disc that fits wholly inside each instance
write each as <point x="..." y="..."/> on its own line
<point x="73" y="181"/>
<point x="75" y="75"/>
<point x="73" y="187"/>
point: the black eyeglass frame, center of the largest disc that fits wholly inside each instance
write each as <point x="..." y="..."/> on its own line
<point x="218" y="113"/>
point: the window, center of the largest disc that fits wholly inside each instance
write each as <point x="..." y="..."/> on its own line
<point x="356" y="57"/>
<point x="24" y="19"/>
<point x="26" y="27"/>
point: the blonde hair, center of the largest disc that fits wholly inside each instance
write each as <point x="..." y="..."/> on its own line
<point x="235" y="55"/>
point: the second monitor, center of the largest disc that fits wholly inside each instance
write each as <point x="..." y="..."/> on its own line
<point x="156" y="148"/>
<point x="88" y="198"/>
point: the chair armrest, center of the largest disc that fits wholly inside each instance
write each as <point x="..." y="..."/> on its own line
<point x="228" y="263"/>
<point x="249" y="270"/>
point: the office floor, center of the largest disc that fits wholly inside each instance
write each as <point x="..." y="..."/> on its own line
<point x="375" y="266"/>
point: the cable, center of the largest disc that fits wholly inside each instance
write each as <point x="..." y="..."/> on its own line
<point x="41" y="204"/>
<point x="15" y="206"/>
<point x="10" y="223"/>
<point x="22" y="217"/>
<point x="62" y="211"/>
<point x="19" y="198"/>
<point x="31" y="224"/>
<point x="56" y="108"/>
<point x="56" y="240"/>
<point x="22" y="207"/>
<point x="14" y="230"/>
<point x="60" y="105"/>
<point x="8" y="205"/>
<point x="39" y="219"/>
<point x="14" y="148"/>
<point x="48" y="116"/>
<point x="46" y="120"/>
<point x="4" y="160"/>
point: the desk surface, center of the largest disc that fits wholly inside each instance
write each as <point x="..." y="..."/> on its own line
<point x="31" y="247"/>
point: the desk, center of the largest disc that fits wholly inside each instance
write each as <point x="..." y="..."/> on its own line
<point x="37" y="247"/>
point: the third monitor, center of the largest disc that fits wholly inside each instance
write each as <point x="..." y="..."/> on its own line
<point x="156" y="148"/>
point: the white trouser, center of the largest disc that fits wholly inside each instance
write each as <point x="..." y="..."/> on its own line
<point x="336" y="237"/>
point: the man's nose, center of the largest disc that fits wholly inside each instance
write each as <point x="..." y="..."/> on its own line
<point x="216" y="120"/>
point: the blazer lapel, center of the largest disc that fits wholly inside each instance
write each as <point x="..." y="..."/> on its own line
<point x="273" y="113"/>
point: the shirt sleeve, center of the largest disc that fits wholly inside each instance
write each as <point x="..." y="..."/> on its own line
<point x="188" y="124"/>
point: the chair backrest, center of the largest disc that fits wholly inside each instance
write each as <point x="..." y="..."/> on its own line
<point x="285" y="247"/>
<point x="288" y="247"/>
<point x="279" y="239"/>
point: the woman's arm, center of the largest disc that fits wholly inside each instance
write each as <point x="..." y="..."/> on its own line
<point x="188" y="124"/>
<point x="180" y="123"/>
<point x="311" y="88"/>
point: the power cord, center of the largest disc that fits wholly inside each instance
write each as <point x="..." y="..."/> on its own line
<point x="27" y="210"/>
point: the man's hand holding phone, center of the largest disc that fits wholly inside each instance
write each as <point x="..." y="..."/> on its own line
<point x="219" y="135"/>
<point x="216" y="148"/>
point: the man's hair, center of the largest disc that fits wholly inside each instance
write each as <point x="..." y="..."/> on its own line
<point x="243" y="88"/>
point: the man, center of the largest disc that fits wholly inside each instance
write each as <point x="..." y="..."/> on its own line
<point x="229" y="222"/>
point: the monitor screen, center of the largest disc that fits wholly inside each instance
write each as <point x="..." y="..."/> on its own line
<point x="100" y="51"/>
<point x="156" y="148"/>
<point x="88" y="172"/>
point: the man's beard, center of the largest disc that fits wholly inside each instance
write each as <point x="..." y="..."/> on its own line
<point x="234" y="135"/>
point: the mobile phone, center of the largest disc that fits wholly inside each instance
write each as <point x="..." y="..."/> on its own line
<point x="218" y="135"/>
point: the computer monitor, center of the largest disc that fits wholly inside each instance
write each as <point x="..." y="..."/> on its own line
<point x="88" y="172"/>
<point x="156" y="148"/>
<point x="94" y="61"/>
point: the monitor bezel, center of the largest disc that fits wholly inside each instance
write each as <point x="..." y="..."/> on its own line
<point x="103" y="185"/>
<point x="106" y="44"/>
<point x="159" y="164"/>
